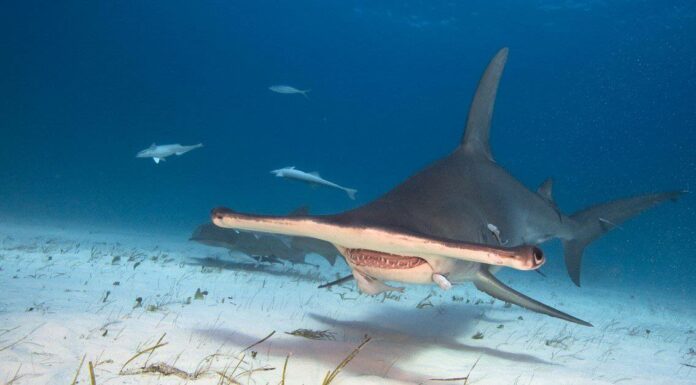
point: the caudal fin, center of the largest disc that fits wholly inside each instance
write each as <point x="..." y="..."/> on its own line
<point x="351" y="193"/>
<point x="489" y="284"/>
<point x="304" y="93"/>
<point x="597" y="220"/>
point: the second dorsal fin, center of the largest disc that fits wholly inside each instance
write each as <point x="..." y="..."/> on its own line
<point x="546" y="190"/>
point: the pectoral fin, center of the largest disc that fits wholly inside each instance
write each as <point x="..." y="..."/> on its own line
<point x="489" y="284"/>
<point x="372" y="286"/>
<point x="157" y="160"/>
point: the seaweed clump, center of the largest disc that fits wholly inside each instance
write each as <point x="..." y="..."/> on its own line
<point x="313" y="334"/>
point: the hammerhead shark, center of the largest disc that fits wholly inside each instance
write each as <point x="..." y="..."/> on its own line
<point x="458" y="220"/>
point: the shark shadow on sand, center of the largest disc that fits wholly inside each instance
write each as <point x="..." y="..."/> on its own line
<point x="406" y="331"/>
<point x="393" y="347"/>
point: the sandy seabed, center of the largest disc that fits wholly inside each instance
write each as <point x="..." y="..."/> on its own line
<point x="70" y="297"/>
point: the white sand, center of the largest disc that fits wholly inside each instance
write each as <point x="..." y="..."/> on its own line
<point x="54" y="310"/>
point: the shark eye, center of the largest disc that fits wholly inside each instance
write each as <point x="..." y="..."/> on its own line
<point x="217" y="213"/>
<point x="537" y="254"/>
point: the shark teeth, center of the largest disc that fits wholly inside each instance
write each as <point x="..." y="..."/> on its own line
<point x="362" y="257"/>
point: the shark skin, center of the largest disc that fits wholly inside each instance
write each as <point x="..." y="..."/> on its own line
<point x="468" y="199"/>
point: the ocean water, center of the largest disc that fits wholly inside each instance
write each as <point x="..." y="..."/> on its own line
<point x="599" y="95"/>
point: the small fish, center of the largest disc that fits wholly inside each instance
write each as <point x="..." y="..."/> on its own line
<point x="283" y="89"/>
<point x="494" y="229"/>
<point x="442" y="281"/>
<point x="310" y="177"/>
<point x="159" y="153"/>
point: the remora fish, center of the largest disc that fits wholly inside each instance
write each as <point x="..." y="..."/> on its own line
<point x="310" y="177"/>
<point x="422" y="230"/>
<point x="159" y="153"/>
<point x="283" y="89"/>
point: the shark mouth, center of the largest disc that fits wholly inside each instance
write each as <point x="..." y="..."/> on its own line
<point x="381" y="247"/>
<point x="371" y="258"/>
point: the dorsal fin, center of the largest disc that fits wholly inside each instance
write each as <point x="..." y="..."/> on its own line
<point x="478" y="125"/>
<point x="546" y="190"/>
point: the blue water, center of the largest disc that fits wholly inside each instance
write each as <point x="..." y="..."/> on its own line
<point x="601" y="95"/>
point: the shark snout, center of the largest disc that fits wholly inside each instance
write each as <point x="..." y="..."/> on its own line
<point x="219" y="213"/>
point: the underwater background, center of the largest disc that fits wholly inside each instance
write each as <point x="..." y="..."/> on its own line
<point x="600" y="95"/>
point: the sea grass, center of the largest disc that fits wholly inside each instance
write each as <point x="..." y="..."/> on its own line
<point x="151" y="349"/>
<point x="330" y="376"/>
<point x="77" y="373"/>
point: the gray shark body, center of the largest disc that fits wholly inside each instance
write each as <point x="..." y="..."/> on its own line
<point x="284" y="89"/>
<point x="158" y="153"/>
<point x="468" y="197"/>
<point x="312" y="178"/>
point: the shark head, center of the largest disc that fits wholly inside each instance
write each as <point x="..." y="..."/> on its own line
<point x="143" y="154"/>
<point x="381" y="248"/>
<point x="147" y="153"/>
<point x="281" y="171"/>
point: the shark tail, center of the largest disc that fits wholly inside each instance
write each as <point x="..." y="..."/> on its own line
<point x="597" y="220"/>
<point x="304" y="93"/>
<point x="489" y="284"/>
<point x="351" y="193"/>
